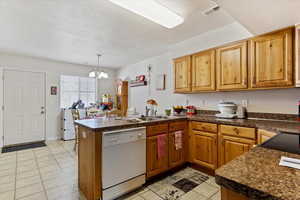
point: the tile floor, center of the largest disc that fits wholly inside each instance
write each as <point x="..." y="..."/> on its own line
<point x="50" y="173"/>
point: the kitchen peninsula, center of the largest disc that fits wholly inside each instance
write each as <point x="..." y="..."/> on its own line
<point x="216" y="134"/>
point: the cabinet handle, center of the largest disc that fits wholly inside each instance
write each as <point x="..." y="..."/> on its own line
<point x="236" y="131"/>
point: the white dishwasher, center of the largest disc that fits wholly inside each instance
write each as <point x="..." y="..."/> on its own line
<point x="123" y="161"/>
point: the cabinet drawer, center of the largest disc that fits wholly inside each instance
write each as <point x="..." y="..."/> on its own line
<point x="175" y="126"/>
<point x="238" y="131"/>
<point x="157" y="129"/>
<point x="202" y="126"/>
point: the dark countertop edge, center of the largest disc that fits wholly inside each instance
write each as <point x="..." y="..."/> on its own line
<point x="251" y="123"/>
<point x="129" y="125"/>
<point x="244" y="189"/>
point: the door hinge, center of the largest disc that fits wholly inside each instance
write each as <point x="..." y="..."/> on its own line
<point x="2" y="107"/>
<point x="3" y="77"/>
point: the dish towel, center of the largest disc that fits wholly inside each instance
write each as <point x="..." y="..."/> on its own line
<point x="178" y="140"/>
<point x="161" y="146"/>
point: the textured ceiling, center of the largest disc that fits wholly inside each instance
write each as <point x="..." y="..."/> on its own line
<point x="260" y="16"/>
<point x="75" y="30"/>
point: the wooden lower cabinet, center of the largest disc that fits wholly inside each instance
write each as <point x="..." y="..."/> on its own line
<point x="156" y="165"/>
<point x="230" y="195"/>
<point x="176" y="156"/>
<point x="263" y="136"/>
<point x="232" y="147"/>
<point x="205" y="149"/>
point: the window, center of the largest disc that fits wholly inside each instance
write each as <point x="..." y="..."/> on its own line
<point x="74" y="88"/>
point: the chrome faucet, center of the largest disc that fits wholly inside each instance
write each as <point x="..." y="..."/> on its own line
<point x="147" y="111"/>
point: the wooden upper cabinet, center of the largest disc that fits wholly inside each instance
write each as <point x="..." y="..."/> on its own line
<point x="297" y="53"/>
<point x="203" y="71"/>
<point x="182" y="71"/>
<point x="231" y="63"/>
<point x="271" y="60"/>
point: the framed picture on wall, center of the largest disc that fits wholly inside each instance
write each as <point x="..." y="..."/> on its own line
<point x="53" y="90"/>
<point x="161" y="82"/>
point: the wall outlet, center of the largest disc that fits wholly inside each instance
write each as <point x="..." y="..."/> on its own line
<point x="245" y="103"/>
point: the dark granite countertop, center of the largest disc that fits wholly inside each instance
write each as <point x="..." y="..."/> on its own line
<point x="257" y="175"/>
<point x="101" y="124"/>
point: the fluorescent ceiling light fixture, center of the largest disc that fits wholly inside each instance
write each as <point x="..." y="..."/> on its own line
<point x="151" y="10"/>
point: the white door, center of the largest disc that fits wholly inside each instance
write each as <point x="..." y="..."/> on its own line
<point x="24" y="107"/>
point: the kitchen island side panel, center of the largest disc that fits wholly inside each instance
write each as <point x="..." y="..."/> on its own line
<point x="89" y="163"/>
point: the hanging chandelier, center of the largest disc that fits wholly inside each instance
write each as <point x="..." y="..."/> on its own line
<point x="97" y="73"/>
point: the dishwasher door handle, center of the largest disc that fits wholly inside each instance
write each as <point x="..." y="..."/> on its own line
<point x="123" y="130"/>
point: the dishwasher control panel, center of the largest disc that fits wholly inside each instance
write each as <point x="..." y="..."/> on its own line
<point x="123" y="136"/>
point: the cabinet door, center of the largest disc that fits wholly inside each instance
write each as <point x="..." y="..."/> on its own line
<point x="156" y="165"/>
<point x="232" y="147"/>
<point x="271" y="60"/>
<point x="205" y="149"/>
<point x="263" y="136"/>
<point x="297" y="55"/>
<point x="203" y="71"/>
<point x="231" y="62"/>
<point x="176" y="156"/>
<point x="182" y="70"/>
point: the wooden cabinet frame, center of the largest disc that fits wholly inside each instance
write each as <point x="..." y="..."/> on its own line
<point x="223" y="78"/>
<point x="297" y="55"/>
<point x="243" y="75"/>
<point x="198" y="71"/>
<point x="186" y="76"/>
<point x="265" y="79"/>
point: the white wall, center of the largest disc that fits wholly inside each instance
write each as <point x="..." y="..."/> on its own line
<point x="53" y="71"/>
<point x="277" y="101"/>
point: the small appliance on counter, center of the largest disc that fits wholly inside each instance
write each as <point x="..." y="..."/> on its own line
<point x="241" y="112"/>
<point x="190" y="110"/>
<point x="227" y="110"/>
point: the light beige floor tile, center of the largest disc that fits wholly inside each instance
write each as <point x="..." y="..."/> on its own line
<point x="7" y="187"/>
<point x="7" y="172"/>
<point x="59" y="181"/>
<point x="28" y="190"/>
<point x="192" y="195"/>
<point x="135" y="198"/>
<point x="7" y="179"/>
<point x="49" y="169"/>
<point x="9" y="165"/>
<point x="8" y="160"/>
<point x="28" y="181"/>
<point x="206" y="189"/>
<point x="37" y="196"/>
<point x="45" y="158"/>
<point x="216" y="196"/>
<point x="9" y="154"/>
<point x="149" y="195"/>
<point x="26" y="162"/>
<point x="46" y="163"/>
<point x="59" y="192"/>
<point x="25" y="168"/>
<point x="24" y="158"/>
<point x="25" y="174"/>
<point x="9" y="195"/>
